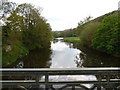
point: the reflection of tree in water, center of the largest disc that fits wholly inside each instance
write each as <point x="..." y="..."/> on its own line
<point x="38" y="58"/>
<point x="69" y="44"/>
<point x="92" y="58"/>
<point x="55" y="40"/>
<point x="79" y="59"/>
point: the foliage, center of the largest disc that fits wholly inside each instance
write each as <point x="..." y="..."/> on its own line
<point x="87" y="33"/>
<point x="72" y="39"/>
<point x="18" y="50"/>
<point x="25" y="29"/>
<point x="106" y="39"/>
<point x="56" y="34"/>
<point x="68" y="33"/>
<point x="82" y="24"/>
<point x="6" y="8"/>
<point x="85" y="20"/>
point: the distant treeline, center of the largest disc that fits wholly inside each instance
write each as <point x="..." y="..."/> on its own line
<point x="23" y="29"/>
<point x="102" y="33"/>
<point x="66" y="33"/>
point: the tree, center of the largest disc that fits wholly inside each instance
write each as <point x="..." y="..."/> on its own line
<point x="82" y="24"/>
<point x="36" y="32"/>
<point x="6" y="9"/>
<point x="107" y="36"/>
<point x="24" y="29"/>
<point x="87" y="33"/>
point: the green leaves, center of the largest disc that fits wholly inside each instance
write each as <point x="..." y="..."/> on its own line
<point x="87" y="33"/>
<point x="106" y="37"/>
<point x="25" y="30"/>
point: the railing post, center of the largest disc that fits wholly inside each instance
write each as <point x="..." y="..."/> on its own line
<point x="46" y="81"/>
<point x="108" y="82"/>
<point x="99" y="79"/>
<point x="37" y="82"/>
<point x="73" y="87"/>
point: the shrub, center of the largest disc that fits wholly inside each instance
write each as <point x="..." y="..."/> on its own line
<point x="107" y="35"/>
<point x="87" y="33"/>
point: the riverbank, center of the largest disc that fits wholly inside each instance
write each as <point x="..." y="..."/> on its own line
<point x="11" y="56"/>
<point x="76" y="41"/>
<point x="71" y="39"/>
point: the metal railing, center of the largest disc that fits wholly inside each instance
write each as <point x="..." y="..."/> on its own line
<point x="105" y="77"/>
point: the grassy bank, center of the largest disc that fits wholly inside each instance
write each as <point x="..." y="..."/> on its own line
<point x="11" y="56"/>
<point x="72" y="39"/>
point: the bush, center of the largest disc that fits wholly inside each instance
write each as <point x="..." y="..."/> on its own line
<point x="107" y="35"/>
<point x="87" y="33"/>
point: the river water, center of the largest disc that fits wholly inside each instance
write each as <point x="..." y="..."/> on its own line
<point x="66" y="55"/>
<point x="63" y="55"/>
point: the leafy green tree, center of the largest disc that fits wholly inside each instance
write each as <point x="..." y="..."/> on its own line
<point x="24" y="29"/>
<point x="107" y="37"/>
<point x="36" y="32"/>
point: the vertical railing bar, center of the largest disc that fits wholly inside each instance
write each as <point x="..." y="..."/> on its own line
<point x="99" y="79"/>
<point x="73" y="87"/>
<point x="108" y="80"/>
<point x="37" y="81"/>
<point x="46" y="81"/>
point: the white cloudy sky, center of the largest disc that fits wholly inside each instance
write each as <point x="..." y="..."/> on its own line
<point x="65" y="14"/>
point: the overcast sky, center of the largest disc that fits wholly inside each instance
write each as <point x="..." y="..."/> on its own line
<point x="65" y="14"/>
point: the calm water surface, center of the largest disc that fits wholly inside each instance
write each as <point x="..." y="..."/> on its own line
<point x="65" y="55"/>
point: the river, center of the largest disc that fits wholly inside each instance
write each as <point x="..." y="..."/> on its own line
<point x="66" y="55"/>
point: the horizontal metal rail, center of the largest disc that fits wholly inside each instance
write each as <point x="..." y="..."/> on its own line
<point x="105" y="76"/>
<point x="60" y="69"/>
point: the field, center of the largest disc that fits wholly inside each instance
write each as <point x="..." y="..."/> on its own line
<point x="71" y="39"/>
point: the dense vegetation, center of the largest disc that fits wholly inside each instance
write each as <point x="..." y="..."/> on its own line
<point x="23" y="29"/>
<point x="102" y="34"/>
<point x="86" y="35"/>
<point x="65" y="33"/>
<point x="107" y="36"/>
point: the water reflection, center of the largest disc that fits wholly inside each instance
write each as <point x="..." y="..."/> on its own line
<point x="65" y="55"/>
<point x="92" y="58"/>
<point x="38" y="58"/>
<point x="62" y="53"/>
<point x="80" y="59"/>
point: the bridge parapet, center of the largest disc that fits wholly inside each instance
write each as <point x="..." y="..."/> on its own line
<point x="105" y="77"/>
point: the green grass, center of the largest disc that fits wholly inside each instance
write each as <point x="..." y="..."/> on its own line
<point x="72" y="39"/>
<point x="11" y="56"/>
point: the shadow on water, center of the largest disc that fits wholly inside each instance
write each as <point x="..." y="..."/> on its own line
<point x="38" y="58"/>
<point x="63" y="52"/>
<point x="92" y="58"/>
